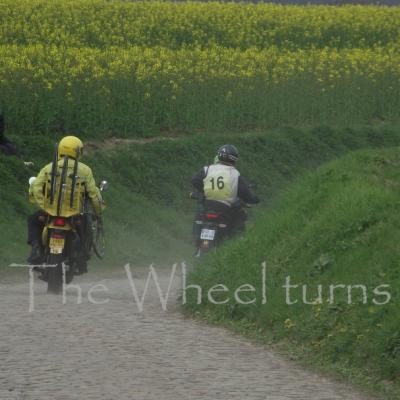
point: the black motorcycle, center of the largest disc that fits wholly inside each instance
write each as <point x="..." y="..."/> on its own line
<point x="216" y="224"/>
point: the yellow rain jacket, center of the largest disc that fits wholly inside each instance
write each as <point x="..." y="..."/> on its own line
<point x="85" y="186"/>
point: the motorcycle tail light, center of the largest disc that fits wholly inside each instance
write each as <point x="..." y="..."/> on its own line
<point x="59" y="222"/>
<point x="212" y="216"/>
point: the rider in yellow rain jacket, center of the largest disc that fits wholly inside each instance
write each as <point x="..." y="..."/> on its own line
<point x="71" y="147"/>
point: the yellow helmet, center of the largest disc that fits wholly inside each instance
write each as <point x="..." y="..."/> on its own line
<point x="70" y="146"/>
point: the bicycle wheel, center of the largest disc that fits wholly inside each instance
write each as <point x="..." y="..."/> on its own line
<point x="99" y="243"/>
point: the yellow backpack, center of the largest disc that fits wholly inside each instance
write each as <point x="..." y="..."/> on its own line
<point x="64" y="190"/>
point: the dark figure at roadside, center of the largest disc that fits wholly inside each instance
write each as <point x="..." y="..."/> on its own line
<point x="6" y="147"/>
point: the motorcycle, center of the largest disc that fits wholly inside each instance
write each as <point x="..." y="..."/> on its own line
<point x="68" y="243"/>
<point x="216" y="225"/>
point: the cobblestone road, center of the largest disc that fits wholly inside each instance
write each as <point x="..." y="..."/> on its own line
<point x="113" y="352"/>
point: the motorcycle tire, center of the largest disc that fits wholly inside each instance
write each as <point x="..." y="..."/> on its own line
<point x="55" y="273"/>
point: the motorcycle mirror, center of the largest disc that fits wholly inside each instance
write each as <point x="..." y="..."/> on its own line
<point x="104" y="186"/>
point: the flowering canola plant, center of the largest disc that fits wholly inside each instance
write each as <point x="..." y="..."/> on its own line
<point x="129" y="68"/>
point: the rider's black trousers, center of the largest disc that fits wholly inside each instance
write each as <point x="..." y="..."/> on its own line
<point x="35" y="226"/>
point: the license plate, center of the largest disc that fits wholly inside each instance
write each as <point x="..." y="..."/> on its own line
<point x="207" y="234"/>
<point x="56" y="245"/>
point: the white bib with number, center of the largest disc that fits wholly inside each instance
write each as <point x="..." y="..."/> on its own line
<point x="221" y="183"/>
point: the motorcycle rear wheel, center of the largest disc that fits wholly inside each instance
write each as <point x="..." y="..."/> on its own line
<point x="204" y="247"/>
<point x="55" y="273"/>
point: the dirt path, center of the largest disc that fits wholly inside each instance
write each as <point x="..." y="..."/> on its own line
<point x="113" y="352"/>
<point x="113" y="142"/>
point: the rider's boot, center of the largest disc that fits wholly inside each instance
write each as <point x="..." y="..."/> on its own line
<point x="36" y="253"/>
<point x="82" y="267"/>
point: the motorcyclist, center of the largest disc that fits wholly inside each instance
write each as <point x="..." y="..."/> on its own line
<point x="223" y="188"/>
<point x="71" y="147"/>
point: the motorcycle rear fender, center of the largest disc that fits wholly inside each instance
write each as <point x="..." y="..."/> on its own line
<point x="213" y="225"/>
<point x="49" y="225"/>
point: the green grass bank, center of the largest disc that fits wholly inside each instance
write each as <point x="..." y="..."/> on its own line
<point x="148" y="218"/>
<point x="337" y="225"/>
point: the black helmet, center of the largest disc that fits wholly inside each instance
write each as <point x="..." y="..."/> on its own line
<point x="228" y="153"/>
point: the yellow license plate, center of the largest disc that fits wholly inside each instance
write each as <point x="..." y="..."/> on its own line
<point x="56" y="245"/>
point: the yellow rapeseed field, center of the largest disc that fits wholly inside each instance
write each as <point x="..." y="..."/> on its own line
<point x="100" y="23"/>
<point x="113" y="67"/>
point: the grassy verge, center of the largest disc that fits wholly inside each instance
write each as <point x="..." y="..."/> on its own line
<point x="337" y="225"/>
<point x="148" y="215"/>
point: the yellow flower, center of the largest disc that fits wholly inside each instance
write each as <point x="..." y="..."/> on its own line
<point x="289" y="323"/>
